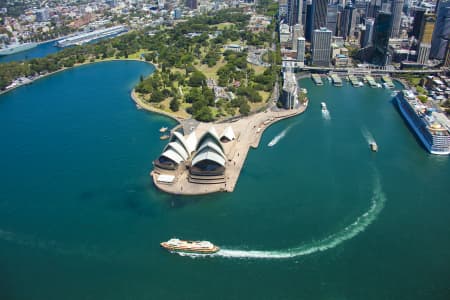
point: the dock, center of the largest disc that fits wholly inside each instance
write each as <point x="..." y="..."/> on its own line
<point x="354" y="81"/>
<point x="371" y="81"/>
<point x="317" y="79"/>
<point x="387" y="82"/>
<point x="337" y="81"/>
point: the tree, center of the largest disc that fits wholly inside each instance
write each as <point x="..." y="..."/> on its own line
<point x="204" y="114"/>
<point x="244" y="109"/>
<point x="174" y="104"/>
<point x="157" y="96"/>
<point x="197" y="79"/>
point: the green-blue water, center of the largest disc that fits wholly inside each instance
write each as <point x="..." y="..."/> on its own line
<point x="80" y="219"/>
<point x="40" y="50"/>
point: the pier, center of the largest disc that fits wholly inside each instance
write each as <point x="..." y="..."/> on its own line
<point x="337" y="81"/>
<point x="317" y="79"/>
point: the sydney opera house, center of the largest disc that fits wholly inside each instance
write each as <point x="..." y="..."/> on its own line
<point x="204" y="158"/>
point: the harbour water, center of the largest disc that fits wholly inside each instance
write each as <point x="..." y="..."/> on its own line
<point x="315" y="216"/>
<point x="40" y="50"/>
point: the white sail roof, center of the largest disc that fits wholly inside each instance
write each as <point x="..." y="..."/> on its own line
<point x="228" y="133"/>
<point x="209" y="155"/>
<point x="211" y="134"/>
<point x="191" y="142"/>
<point x="177" y="148"/>
<point x="171" y="154"/>
<point x="211" y="145"/>
<point x="178" y="136"/>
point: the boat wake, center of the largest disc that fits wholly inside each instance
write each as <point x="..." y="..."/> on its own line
<point x="326" y="114"/>
<point x="378" y="200"/>
<point x="367" y="135"/>
<point x="281" y="135"/>
<point x="277" y="138"/>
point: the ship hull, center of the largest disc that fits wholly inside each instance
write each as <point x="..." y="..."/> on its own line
<point x="189" y="249"/>
<point x="14" y="50"/>
<point x="417" y="131"/>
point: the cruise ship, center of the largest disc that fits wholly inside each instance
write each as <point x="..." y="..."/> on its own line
<point x="16" y="48"/>
<point x="200" y="247"/>
<point x="426" y="123"/>
<point x="87" y="37"/>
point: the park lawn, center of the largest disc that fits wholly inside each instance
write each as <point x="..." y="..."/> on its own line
<point x="165" y="106"/>
<point x="211" y="72"/>
<point x="222" y="26"/>
<point x="138" y="54"/>
<point x="256" y="106"/>
<point x="258" y="69"/>
<point x="265" y="96"/>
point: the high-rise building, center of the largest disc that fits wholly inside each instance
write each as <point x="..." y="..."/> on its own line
<point x="419" y="14"/>
<point x="381" y="32"/>
<point x="321" y="47"/>
<point x="426" y="33"/>
<point x="177" y="13"/>
<point x="192" y="4"/>
<point x="348" y="21"/>
<point x="397" y="9"/>
<point x="309" y="22"/>
<point x="282" y="8"/>
<point x="301" y="49"/>
<point x="319" y="14"/>
<point x="296" y="33"/>
<point x="294" y="12"/>
<point x="368" y="35"/>
<point x="332" y="18"/>
<point x="441" y="34"/>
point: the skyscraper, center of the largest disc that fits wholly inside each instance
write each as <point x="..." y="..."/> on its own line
<point x="368" y="35"/>
<point x="319" y="14"/>
<point x="397" y="9"/>
<point x="441" y="34"/>
<point x="321" y="47"/>
<point x="419" y="14"/>
<point x="426" y="34"/>
<point x="348" y="21"/>
<point x="447" y="57"/>
<point x="381" y="31"/>
<point x="332" y="18"/>
<point x="301" y="49"/>
<point x="294" y="12"/>
<point x="309" y="22"/>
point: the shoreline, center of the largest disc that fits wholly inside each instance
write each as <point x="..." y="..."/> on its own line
<point x="248" y="131"/>
<point x="73" y="67"/>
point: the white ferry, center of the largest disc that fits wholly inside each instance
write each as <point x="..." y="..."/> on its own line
<point x="201" y="247"/>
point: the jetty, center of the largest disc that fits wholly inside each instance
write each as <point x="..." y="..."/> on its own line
<point x="371" y="81"/>
<point x="354" y="81"/>
<point x="337" y="81"/>
<point x="317" y="79"/>
<point x="387" y="82"/>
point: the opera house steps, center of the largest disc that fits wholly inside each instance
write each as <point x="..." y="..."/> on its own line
<point x="220" y="179"/>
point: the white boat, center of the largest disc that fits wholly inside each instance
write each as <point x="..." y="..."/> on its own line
<point x="323" y="105"/>
<point x="163" y="129"/>
<point x="200" y="247"/>
<point x="16" y="48"/>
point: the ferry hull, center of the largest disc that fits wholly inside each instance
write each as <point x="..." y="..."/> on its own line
<point x="189" y="250"/>
<point x="417" y="131"/>
<point x="17" y="49"/>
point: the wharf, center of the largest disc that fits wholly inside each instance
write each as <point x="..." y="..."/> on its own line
<point x="317" y="79"/>
<point x="337" y="81"/>
<point x="387" y="81"/>
<point x="371" y="81"/>
<point x="248" y="131"/>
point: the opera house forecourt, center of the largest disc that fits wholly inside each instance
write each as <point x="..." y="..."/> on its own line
<point x="208" y="157"/>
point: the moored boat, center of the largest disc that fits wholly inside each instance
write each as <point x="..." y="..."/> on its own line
<point x="163" y="129"/>
<point x="201" y="247"/>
